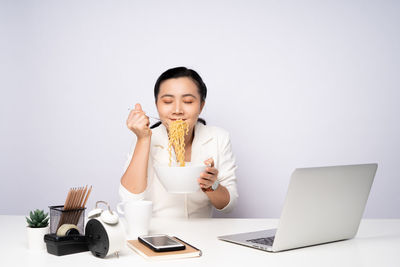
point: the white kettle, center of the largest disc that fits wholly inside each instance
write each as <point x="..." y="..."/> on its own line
<point x="104" y="232"/>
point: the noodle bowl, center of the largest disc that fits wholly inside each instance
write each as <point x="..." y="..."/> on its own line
<point x="179" y="177"/>
<point x="176" y="179"/>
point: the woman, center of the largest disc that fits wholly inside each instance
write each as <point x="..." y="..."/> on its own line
<point x="180" y="93"/>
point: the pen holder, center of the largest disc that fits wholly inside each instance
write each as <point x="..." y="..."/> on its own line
<point x="62" y="220"/>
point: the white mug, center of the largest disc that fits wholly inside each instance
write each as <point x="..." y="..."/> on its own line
<point x="137" y="215"/>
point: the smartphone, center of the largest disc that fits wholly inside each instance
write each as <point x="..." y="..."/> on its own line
<point x="160" y="243"/>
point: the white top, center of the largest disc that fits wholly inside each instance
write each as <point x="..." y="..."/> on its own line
<point x="208" y="142"/>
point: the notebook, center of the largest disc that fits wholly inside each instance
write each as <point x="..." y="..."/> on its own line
<point x="189" y="252"/>
<point x="322" y="205"/>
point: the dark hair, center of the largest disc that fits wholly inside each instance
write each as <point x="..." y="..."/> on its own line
<point x="179" y="72"/>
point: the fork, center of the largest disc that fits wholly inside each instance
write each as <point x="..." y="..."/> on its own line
<point x="152" y="117"/>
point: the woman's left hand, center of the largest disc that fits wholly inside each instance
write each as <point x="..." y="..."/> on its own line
<point x="208" y="178"/>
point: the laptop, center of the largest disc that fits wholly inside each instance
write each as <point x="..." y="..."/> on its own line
<point x="322" y="205"/>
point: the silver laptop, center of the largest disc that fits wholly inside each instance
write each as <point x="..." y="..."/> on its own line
<point x="322" y="205"/>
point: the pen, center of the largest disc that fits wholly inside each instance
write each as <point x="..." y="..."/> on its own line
<point x="201" y="253"/>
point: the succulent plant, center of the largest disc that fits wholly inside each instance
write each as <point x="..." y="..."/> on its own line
<point x="37" y="219"/>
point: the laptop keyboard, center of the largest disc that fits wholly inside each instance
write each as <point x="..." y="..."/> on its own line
<point x="264" y="241"/>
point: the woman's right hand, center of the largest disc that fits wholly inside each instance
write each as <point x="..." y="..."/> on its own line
<point x="138" y="122"/>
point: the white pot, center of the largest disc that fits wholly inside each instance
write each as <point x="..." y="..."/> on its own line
<point x="36" y="237"/>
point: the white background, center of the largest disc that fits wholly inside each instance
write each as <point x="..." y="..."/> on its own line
<point x="296" y="83"/>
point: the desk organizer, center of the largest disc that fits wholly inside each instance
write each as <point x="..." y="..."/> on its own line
<point x="66" y="231"/>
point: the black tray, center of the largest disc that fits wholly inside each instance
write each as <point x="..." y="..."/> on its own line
<point x="64" y="245"/>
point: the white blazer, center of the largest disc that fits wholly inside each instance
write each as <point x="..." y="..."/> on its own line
<point x="208" y="142"/>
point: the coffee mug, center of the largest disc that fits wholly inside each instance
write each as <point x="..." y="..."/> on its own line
<point x="137" y="215"/>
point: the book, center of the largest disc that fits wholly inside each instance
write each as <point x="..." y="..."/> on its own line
<point x="189" y="252"/>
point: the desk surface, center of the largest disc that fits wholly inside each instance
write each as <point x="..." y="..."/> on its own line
<point x="376" y="244"/>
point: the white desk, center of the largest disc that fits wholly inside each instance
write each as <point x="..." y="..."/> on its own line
<point x="376" y="244"/>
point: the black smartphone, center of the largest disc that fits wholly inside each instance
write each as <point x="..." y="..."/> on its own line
<point x="160" y="243"/>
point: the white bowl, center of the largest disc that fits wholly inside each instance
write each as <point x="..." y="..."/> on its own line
<point x="180" y="179"/>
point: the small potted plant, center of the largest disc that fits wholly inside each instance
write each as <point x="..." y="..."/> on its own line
<point x="38" y="226"/>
